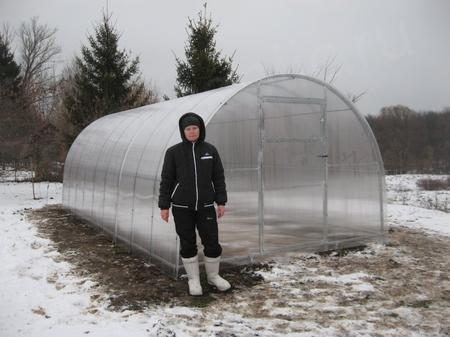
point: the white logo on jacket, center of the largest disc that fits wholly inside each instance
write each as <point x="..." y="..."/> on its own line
<point x="206" y="156"/>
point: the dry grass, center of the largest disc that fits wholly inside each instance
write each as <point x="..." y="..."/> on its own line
<point x="434" y="184"/>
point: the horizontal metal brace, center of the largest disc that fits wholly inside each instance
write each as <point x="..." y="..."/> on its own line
<point x="241" y="169"/>
<point x="292" y="140"/>
<point x="355" y="165"/>
<point x="320" y="184"/>
<point x="294" y="100"/>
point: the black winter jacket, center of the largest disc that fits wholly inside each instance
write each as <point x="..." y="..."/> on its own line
<point x="192" y="175"/>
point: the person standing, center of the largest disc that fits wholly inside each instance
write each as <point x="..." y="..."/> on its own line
<point x="192" y="180"/>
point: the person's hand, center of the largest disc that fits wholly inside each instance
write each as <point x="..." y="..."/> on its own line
<point x="220" y="210"/>
<point x="165" y="215"/>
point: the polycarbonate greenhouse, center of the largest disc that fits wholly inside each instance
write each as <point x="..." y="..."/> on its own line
<point x="302" y="167"/>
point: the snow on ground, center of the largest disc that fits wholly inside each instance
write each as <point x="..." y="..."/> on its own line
<point x="303" y="294"/>
<point x="9" y="174"/>
<point x="412" y="207"/>
<point x="38" y="296"/>
<point x="402" y="189"/>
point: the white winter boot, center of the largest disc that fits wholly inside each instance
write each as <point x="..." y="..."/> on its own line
<point x="212" y="273"/>
<point x="192" y="271"/>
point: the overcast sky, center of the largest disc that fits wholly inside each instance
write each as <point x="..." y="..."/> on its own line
<point x="396" y="50"/>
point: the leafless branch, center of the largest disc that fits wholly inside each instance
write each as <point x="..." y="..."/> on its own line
<point x="291" y="69"/>
<point x="328" y="71"/>
<point x="38" y="49"/>
<point x="356" y="98"/>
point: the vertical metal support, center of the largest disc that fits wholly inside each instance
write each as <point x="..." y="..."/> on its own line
<point x="260" y="170"/>
<point x="324" y="137"/>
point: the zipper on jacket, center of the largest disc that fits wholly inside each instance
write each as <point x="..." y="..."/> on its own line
<point x="195" y="170"/>
<point x="174" y="190"/>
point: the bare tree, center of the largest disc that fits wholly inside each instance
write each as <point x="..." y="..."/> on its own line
<point x="327" y="72"/>
<point x="38" y="50"/>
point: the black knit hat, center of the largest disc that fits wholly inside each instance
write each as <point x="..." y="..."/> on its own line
<point x="190" y="120"/>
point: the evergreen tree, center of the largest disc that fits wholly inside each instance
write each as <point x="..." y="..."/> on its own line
<point x="105" y="79"/>
<point x="15" y="121"/>
<point x="9" y="69"/>
<point x="204" y="68"/>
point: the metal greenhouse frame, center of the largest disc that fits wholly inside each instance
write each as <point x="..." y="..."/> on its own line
<point x="303" y="170"/>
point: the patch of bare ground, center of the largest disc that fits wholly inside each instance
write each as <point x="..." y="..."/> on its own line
<point x="127" y="281"/>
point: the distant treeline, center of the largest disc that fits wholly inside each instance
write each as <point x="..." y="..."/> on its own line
<point x="413" y="142"/>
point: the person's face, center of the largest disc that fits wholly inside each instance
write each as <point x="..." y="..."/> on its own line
<point x="192" y="132"/>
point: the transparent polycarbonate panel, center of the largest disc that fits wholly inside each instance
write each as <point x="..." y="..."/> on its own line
<point x="350" y="143"/>
<point x="68" y="174"/>
<point x="117" y="123"/>
<point x="213" y="100"/>
<point x="336" y="103"/>
<point x="113" y="156"/>
<point x="102" y="129"/>
<point x="238" y="229"/>
<point x="72" y="179"/>
<point x="75" y="177"/>
<point x="293" y="217"/>
<point x="127" y="183"/>
<point x="355" y="181"/>
<point x="68" y="164"/>
<point x="290" y="86"/>
<point x="125" y="180"/>
<point x="234" y="132"/>
<point x="353" y="202"/>
<point x="293" y="174"/>
<point x="97" y="172"/>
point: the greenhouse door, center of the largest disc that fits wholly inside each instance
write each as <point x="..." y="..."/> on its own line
<point x="293" y="176"/>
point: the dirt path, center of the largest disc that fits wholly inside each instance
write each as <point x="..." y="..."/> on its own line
<point x="398" y="289"/>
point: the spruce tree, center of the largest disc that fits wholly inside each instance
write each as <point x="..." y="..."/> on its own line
<point x="9" y="69"/>
<point x="16" y="122"/>
<point x="204" y="68"/>
<point x="105" y="80"/>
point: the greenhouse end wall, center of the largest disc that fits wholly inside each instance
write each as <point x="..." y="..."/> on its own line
<point x="302" y="168"/>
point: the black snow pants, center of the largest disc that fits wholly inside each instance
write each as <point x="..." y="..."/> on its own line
<point x="205" y="220"/>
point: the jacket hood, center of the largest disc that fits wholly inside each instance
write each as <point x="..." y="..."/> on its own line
<point x="201" y="137"/>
